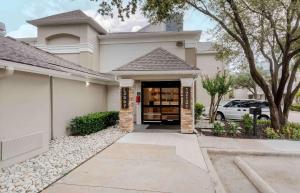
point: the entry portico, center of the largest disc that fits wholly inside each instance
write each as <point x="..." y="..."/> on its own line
<point x="157" y="88"/>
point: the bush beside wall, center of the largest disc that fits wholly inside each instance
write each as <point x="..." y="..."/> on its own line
<point x="93" y="122"/>
<point x="295" y="107"/>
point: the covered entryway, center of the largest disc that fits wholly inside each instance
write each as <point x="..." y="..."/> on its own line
<point x="161" y="102"/>
<point x="157" y="89"/>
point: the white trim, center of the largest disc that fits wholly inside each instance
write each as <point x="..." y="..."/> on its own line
<point x="126" y="82"/>
<point x="183" y="72"/>
<point x="187" y="82"/>
<point x="66" y="75"/>
<point x="67" y="49"/>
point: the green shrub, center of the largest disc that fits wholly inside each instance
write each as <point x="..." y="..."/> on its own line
<point x="295" y="107"/>
<point x="264" y="122"/>
<point x="199" y="109"/>
<point x="218" y="129"/>
<point x="247" y="123"/>
<point x="91" y="123"/>
<point x="291" y="131"/>
<point x="271" y="133"/>
<point x="231" y="128"/>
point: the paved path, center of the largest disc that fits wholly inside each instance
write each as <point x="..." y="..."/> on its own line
<point x="142" y="163"/>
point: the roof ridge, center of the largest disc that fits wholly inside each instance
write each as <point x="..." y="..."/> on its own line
<point x="175" y="56"/>
<point x="159" y="58"/>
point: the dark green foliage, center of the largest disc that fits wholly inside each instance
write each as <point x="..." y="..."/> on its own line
<point x="199" y="109"/>
<point x="247" y="123"/>
<point x="295" y="107"/>
<point x="93" y="122"/>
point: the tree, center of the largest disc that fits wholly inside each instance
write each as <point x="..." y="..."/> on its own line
<point x="244" y="80"/>
<point x="216" y="87"/>
<point x="262" y="30"/>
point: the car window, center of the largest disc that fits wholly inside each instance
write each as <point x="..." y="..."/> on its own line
<point x="246" y="104"/>
<point x="263" y="104"/>
<point x="235" y="103"/>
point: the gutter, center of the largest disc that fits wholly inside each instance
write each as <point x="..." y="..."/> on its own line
<point x="175" y="72"/>
<point x="72" y="75"/>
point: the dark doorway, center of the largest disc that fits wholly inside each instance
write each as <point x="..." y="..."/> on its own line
<point x="161" y="102"/>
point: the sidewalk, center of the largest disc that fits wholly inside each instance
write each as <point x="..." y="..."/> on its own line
<point x="142" y="163"/>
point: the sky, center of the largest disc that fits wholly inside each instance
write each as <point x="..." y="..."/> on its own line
<point x="15" y="13"/>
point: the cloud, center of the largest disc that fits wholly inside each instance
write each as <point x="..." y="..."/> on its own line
<point x="25" y="30"/>
<point x="134" y="23"/>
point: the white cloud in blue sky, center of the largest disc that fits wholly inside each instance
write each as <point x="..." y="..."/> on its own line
<point x="15" y="13"/>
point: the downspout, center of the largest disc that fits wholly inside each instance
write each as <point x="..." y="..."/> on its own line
<point x="8" y="71"/>
<point x="51" y="108"/>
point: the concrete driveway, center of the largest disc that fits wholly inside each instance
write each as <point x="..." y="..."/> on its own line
<point x="142" y="163"/>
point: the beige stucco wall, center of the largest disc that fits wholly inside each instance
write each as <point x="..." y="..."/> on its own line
<point x="72" y="98"/>
<point x="70" y="57"/>
<point x="72" y="35"/>
<point x="113" y="98"/>
<point x="24" y="111"/>
<point x="208" y="65"/>
<point x="79" y="30"/>
<point x="113" y="55"/>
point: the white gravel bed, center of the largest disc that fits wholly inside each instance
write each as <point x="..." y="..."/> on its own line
<point x="64" y="154"/>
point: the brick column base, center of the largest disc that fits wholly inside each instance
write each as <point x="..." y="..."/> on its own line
<point x="187" y="121"/>
<point x="127" y="115"/>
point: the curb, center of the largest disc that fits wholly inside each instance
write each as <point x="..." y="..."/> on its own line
<point x="219" y="188"/>
<point x="254" y="178"/>
<point x="254" y="152"/>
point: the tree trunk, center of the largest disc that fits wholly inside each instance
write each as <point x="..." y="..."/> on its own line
<point x="255" y="93"/>
<point x="211" y="109"/>
<point x="275" y="116"/>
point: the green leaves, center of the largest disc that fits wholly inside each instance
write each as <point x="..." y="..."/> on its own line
<point x="93" y="122"/>
<point x="199" y="109"/>
<point x="219" y="85"/>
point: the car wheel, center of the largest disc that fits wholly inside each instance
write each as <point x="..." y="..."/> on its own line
<point x="263" y="117"/>
<point x="220" y="116"/>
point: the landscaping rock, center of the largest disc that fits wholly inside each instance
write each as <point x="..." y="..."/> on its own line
<point x="65" y="153"/>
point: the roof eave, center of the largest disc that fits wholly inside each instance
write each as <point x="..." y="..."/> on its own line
<point x="175" y="72"/>
<point x="74" y="75"/>
<point x="89" y="21"/>
<point x="147" y="34"/>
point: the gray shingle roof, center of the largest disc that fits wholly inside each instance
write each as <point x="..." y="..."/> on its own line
<point x="71" y="17"/>
<point x="157" y="60"/>
<point x="20" y="52"/>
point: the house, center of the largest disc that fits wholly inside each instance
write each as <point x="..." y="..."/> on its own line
<point x="74" y="67"/>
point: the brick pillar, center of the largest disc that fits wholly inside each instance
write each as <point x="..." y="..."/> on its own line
<point x="127" y="113"/>
<point x="187" y="109"/>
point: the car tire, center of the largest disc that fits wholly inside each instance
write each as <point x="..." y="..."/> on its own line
<point x="264" y="117"/>
<point x="220" y="116"/>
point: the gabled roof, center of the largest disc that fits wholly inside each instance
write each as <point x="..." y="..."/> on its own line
<point x="20" y="52"/>
<point x="157" y="60"/>
<point x="72" y="17"/>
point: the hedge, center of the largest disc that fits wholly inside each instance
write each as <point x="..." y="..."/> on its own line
<point x="93" y="122"/>
<point x="295" y="107"/>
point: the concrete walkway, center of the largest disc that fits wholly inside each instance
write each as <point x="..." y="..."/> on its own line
<point x="142" y="163"/>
